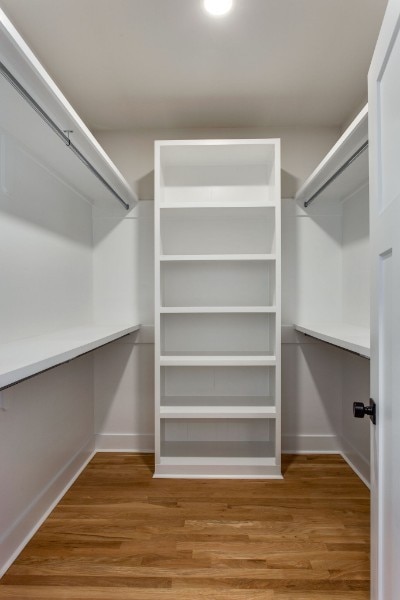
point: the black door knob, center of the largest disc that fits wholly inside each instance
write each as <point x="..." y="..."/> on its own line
<point x="360" y="410"/>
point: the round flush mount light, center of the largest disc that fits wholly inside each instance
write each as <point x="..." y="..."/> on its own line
<point x="218" y="8"/>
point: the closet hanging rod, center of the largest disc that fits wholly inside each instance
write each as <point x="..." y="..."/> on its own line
<point x="61" y="134"/>
<point x="336" y="174"/>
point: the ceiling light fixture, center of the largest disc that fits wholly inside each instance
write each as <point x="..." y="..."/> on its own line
<point x="218" y="8"/>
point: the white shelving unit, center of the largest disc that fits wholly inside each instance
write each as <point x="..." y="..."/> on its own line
<point x="46" y="234"/>
<point x="217" y="248"/>
<point x="333" y="260"/>
<point x="332" y="284"/>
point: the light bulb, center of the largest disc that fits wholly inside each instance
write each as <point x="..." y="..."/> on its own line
<point x="218" y="8"/>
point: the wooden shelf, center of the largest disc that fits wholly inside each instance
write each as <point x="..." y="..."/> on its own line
<point x="216" y="309"/>
<point x="24" y="358"/>
<point x="216" y="257"/>
<point x="352" y="338"/>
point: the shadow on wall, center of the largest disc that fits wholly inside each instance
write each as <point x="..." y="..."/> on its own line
<point x="289" y="184"/>
<point x="113" y="371"/>
<point x="325" y="371"/>
<point x="124" y="391"/>
<point x="145" y="185"/>
<point x="34" y="199"/>
<point x="311" y="392"/>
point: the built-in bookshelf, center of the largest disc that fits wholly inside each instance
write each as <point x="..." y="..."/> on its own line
<point x="217" y="249"/>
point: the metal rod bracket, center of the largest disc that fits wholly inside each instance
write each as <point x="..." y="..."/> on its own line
<point x="67" y="133"/>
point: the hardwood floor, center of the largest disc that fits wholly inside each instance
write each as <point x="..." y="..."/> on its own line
<point x="118" y="534"/>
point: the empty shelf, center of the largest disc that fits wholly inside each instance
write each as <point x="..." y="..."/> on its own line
<point x="217" y="412"/>
<point x="208" y="204"/>
<point x="225" y="452"/>
<point x="218" y="401"/>
<point x="216" y="257"/>
<point x="216" y="309"/>
<point x="215" y="358"/>
<point x="217" y="407"/>
<point x="24" y="358"/>
<point x="352" y="338"/>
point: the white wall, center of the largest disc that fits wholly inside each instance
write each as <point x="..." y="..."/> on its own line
<point x="356" y="432"/>
<point x="45" y="248"/>
<point x="123" y="284"/>
<point x="355" y="259"/>
<point x="47" y="422"/>
<point x="311" y="371"/>
<point x="46" y="436"/>
<point x="311" y="387"/>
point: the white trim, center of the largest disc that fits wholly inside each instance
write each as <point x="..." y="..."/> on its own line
<point x="357" y="462"/>
<point x="21" y="532"/>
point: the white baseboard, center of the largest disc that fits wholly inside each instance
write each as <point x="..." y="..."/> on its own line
<point x="328" y="444"/>
<point x="124" y="442"/>
<point x="296" y="444"/>
<point x="311" y="444"/>
<point x="357" y="462"/>
<point x="20" y="532"/>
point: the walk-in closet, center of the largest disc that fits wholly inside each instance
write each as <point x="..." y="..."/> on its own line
<point x="199" y="207"/>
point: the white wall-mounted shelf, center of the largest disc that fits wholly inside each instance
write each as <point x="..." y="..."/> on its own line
<point x="333" y="247"/>
<point x="28" y="127"/>
<point x="350" y="337"/>
<point x="332" y="281"/>
<point x="27" y="357"/>
<point x="352" y="178"/>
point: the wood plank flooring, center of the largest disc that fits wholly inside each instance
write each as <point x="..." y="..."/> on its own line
<point x="118" y="534"/>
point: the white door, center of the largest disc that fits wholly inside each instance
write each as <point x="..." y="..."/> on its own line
<point x="384" y="151"/>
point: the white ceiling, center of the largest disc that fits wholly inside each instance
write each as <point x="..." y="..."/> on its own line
<point x="165" y="63"/>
